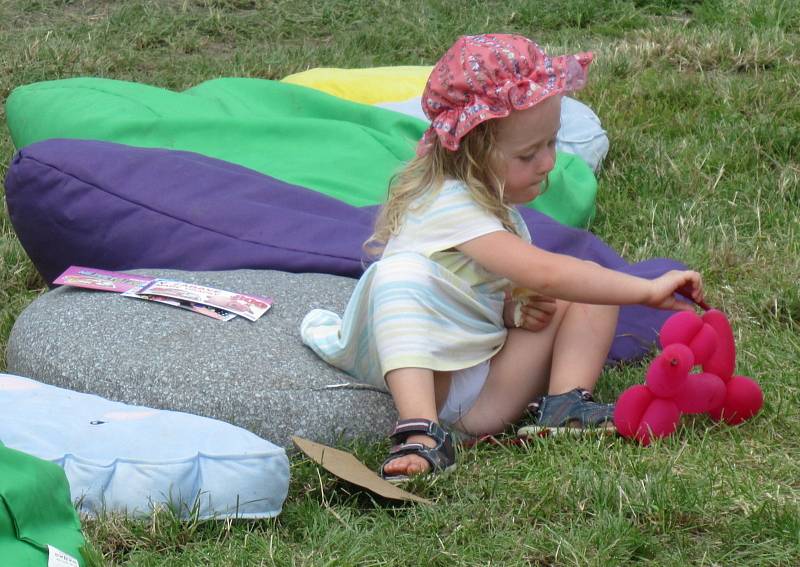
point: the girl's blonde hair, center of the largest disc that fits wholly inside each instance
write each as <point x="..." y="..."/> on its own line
<point x="475" y="163"/>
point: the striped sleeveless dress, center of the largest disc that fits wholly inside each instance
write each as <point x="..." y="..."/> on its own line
<point x="424" y="304"/>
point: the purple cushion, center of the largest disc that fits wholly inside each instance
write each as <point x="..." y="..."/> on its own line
<point x="118" y="207"/>
<point x="105" y="205"/>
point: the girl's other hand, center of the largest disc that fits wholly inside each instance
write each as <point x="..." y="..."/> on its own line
<point x="537" y="313"/>
<point x="664" y="288"/>
<point x="533" y="312"/>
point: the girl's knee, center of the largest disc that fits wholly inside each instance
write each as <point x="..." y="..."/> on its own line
<point x="562" y="307"/>
<point x="597" y="313"/>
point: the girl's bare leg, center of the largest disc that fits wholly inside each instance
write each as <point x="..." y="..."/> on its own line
<point x="569" y="353"/>
<point x="517" y="374"/>
<point x="415" y="395"/>
<point x="581" y="347"/>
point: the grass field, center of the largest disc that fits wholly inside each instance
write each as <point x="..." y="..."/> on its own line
<point x="700" y="103"/>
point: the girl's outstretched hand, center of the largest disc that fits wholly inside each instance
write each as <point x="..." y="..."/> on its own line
<point x="664" y="288"/>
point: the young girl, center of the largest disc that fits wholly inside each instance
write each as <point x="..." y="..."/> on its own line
<point x="434" y="319"/>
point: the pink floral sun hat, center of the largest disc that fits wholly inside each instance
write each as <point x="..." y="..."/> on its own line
<point x="487" y="76"/>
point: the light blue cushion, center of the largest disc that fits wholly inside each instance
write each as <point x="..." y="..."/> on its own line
<point x="124" y="458"/>
<point x="581" y="132"/>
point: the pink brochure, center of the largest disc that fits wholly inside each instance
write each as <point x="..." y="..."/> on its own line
<point x="92" y="278"/>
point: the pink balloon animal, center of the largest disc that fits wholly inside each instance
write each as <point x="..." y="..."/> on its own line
<point x="653" y="409"/>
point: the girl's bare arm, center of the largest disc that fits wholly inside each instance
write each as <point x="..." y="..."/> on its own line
<point x="568" y="278"/>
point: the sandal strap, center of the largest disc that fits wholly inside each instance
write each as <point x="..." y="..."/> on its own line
<point x="407" y="427"/>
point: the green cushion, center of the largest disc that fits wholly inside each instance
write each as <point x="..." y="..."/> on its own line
<point x="35" y="511"/>
<point x="343" y="149"/>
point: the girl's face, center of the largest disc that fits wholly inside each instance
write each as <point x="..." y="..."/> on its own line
<point x="527" y="143"/>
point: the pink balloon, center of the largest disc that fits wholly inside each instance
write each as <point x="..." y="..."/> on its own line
<point x="701" y="393"/>
<point x="680" y="328"/>
<point x="630" y="408"/>
<point x="743" y="400"/>
<point x="688" y="328"/>
<point x="704" y="343"/>
<point x="723" y="361"/>
<point x="659" y="420"/>
<point x="668" y="371"/>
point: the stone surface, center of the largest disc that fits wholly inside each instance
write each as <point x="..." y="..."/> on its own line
<point x="257" y="375"/>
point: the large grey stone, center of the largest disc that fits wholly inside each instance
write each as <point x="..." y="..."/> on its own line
<point x="257" y="375"/>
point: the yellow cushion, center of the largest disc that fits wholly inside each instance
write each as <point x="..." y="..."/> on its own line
<point x="369" y="86"/>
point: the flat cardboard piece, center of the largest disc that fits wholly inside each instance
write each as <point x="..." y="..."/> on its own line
<point x="347" y="467"/>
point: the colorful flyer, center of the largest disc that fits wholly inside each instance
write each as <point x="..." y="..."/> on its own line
<point x="103" y="280"/>
<point x="248" y="306"/>
<point x="211" y="302"/>
<point x="213" y="312"/>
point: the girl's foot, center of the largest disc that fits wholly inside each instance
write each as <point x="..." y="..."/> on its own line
<point x="422" y="446"/>
<point x="411" y="464"/>
<point x="572" y="412"/>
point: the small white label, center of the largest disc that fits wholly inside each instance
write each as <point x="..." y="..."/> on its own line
<point x="57" y="558"/>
